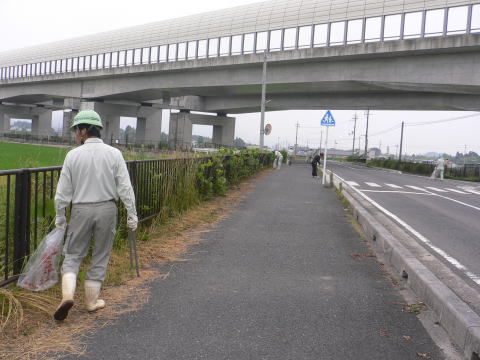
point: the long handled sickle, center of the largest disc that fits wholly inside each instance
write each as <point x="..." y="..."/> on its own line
<point x="132" y="240"/>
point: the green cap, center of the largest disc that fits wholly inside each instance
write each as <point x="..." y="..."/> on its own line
<point x="87" y="117"/>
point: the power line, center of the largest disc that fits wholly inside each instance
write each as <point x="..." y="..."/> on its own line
<point x="441" y="121"/>
<point x="398" y="126"/>
<point x="386" y="130"/>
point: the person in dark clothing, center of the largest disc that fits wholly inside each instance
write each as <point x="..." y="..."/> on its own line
<point x="315" y="162"/>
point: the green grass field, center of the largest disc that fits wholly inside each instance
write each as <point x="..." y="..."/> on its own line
<point x="20" y="156"/>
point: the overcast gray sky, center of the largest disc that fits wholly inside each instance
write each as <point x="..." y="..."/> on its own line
<point x="31" y="22"/>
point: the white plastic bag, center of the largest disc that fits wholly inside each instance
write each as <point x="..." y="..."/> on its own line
<point x="41" y="271"/>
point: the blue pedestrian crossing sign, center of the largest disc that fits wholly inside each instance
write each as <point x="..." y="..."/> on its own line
<point x="328" y="119"/>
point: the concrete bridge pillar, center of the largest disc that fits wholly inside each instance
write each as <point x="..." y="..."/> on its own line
<point x="4" y="122"/>
<point x="110" y="119"/>
<point x="224" y="134"/>
<point x="149" y="127"/>
<point x="67" y="122"/>
<point x="111" y="128"/>
<point x="180" y="132"/>
<point x="42" y="123"/>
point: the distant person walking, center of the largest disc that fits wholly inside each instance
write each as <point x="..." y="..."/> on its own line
<point x="315" y="163"/>
<point x="277" y="163"/>
<point x="93" y="177"/>
<point x="289" y="157"/>
<point x="439" y="169"/>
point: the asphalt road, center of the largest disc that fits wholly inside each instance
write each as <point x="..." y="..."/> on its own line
<point x="444" y="212"/>
<point x="276" y="280"/>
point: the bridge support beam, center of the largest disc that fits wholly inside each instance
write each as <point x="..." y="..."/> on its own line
<point x="180" y="132"/>
<point x="149" y="127"/>
<point x="42" y="123"/>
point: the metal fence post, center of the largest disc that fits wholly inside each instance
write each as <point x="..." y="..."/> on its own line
<point x="21" y="246"/>
<point x="133" y="177"/>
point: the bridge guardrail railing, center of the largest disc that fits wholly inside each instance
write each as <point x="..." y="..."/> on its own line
<point x="441" y="21"/>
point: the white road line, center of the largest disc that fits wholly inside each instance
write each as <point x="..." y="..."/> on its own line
<point x="445" y="197"/>
<point x="393" y="186"/>
<point x="435" y="189"/>
<point x="398" y="192"/>
<point x="473" y="191"/>
<point x="422" y="238"/>
<point x="352" y="183"/>
<point x="371" y="184"/>
<point x="415" y="187"/>
<point x="455" y="190"/>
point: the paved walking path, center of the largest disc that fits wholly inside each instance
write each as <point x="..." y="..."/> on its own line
<point x="274" y="281"/>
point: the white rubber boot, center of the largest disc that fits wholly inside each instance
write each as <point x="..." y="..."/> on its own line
<point x="92" y="290"/>
<point x="69" y="283"/>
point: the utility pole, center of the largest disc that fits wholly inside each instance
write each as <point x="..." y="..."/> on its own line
<point x="366" y="133"/>
<point x="264" y="90"/>
<point x="354" y="129"/>
<point x="401" y="145"/>
<point x="465" y="156"/>
<point x="296" y="138"/>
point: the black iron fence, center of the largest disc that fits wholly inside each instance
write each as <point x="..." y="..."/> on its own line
<point x="27" y="197"/>
<point x="162" y="187"/>
<point x="471" y="171"/>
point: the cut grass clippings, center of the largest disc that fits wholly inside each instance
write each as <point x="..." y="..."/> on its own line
<point x="39" y="337"/>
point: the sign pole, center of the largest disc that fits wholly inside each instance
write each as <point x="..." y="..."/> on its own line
<point x="401" y="145"/>
<point x="325" y="159"/>
<point x="327" y="121"/>
<point x="264" y="90"/>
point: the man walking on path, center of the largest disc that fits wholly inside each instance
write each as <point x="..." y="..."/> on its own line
<point x="315" y="163"/>
<point x="93" y="177"/>
<point x="277" y="163"/>
<point x="439" y="168"/>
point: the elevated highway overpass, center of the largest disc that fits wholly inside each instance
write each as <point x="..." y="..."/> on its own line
<point x="321" y="54"/>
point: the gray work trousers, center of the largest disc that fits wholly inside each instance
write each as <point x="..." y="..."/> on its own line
<point x="97" y="220"/>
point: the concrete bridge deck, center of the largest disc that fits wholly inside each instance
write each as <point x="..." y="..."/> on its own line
<point x="276" y="280"/>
